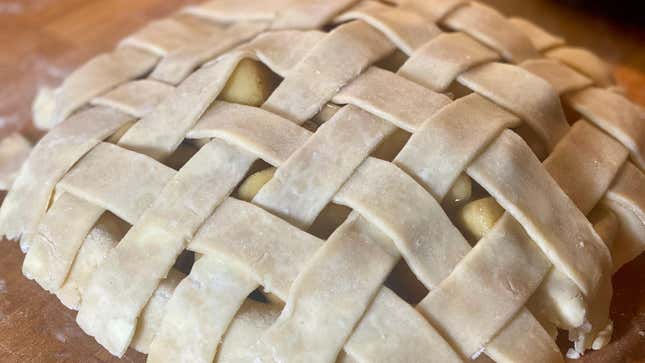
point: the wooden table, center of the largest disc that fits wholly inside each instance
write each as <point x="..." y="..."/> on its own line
<point x="41" y="41"/>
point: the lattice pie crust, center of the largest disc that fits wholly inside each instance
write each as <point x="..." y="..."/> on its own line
<point x="496" y="161"/>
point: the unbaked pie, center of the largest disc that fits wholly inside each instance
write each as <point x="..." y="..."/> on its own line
<point x="320" y="181"/>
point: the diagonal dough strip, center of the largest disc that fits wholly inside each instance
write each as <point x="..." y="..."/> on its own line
<point x="536" y="201"/>
<point x="199" y="312"/>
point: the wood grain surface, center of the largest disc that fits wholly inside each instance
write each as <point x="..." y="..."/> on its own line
<point x="41" y="41"/>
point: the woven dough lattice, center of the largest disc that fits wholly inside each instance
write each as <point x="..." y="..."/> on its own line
<point x="106" y="201"/>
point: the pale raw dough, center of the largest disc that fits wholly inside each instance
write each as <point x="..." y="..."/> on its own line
<point x="199" y="312"/>
<point x="541" y="266"/>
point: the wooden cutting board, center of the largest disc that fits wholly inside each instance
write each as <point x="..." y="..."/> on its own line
<point x="41" y="41"/>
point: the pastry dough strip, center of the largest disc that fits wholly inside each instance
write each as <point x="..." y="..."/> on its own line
<point x="376" y="88"/>
<point x="136" y="98"/>
<point x="104" y="178"/>
<point x="263" y="134"/>
<point x="492" y="29"/>
<point x="150" y="318"/>
<point x="626" y="198"/>
<point x="434" y="10"/>
<point x="309" y="14"/>
<point x="440" y="61"/>
<point x="541" y="39"/>
<point x="251" y="320"/>
<point x="561" y="77"/>
<point x="199" y="312"/>
<point x="614" y="114"/>
<point x="163" y="36"/>
<point x="53" y="247"/>
<point x="405" y="29"/>
<point x="179" y="64"/>
<point x="528" y="96"/>
<point x="585" y="62"/>
<point x="105" y="234"/>
<point x="96" y="77"/>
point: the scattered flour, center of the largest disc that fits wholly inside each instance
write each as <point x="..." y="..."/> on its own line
<point x="11" y="7"/>
<point x="7" y="120"/>
<point x="573" y="354"/>
<point x="50" y="71"/>
<point x="3" y="286"/>
<point x="478" y="353"/>
<point x="3" y="290"/>
<point x="60" y="337"/>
